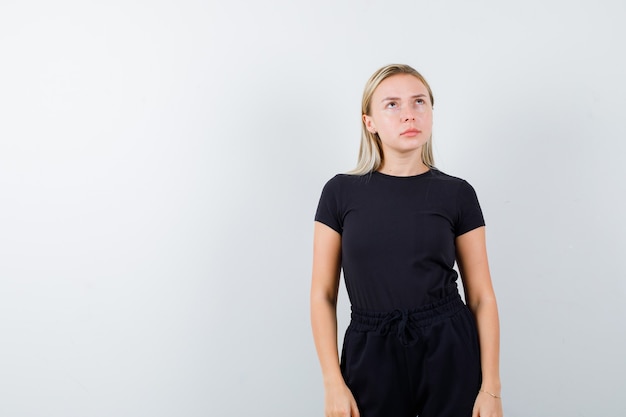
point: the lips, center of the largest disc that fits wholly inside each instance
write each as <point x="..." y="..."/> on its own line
<point x="411" y="132"/>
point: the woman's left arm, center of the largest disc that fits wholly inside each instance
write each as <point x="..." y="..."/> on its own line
<point x="480" y="298"/>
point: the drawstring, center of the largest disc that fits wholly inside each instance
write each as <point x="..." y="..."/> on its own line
<point x="401" y="319"/>
<point x="407" y="324"/>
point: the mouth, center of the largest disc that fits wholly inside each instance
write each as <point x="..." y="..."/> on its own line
<point x="411" y="132"/>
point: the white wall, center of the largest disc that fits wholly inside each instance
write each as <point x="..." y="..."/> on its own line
<point x="160" y="164"/>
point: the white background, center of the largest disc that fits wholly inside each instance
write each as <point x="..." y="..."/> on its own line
<point x="161" y="161"/>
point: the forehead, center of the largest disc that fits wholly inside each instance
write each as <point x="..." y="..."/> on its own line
<point x="400" y="85"/>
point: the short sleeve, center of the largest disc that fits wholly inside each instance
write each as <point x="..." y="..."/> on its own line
<point x="469" y="213"/>
<point x="328" y="208"/>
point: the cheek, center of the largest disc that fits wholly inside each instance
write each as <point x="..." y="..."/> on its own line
<point x="387" y="121"/>
<point x="428" y="120"/>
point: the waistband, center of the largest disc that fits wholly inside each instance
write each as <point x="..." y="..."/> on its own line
<point x="408" y="323"/>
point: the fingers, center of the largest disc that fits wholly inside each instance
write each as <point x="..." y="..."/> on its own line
<point x="354" y="410"/>
<point x="350" y="412"/>
<point x="485" y="408"/>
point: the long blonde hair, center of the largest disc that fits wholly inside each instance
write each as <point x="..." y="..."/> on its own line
<point x="371" y="151"/>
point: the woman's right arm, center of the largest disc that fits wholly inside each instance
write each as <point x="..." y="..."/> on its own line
<point x="339" y="401"/>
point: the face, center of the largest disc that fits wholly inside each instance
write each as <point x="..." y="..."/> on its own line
<point x="401" y="113"/>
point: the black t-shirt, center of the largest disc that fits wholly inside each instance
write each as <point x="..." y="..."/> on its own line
<point x="398" y="235"/>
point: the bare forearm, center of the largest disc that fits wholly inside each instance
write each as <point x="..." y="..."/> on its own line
<point x="487" y="323"/>
<point x="324" y="324"/>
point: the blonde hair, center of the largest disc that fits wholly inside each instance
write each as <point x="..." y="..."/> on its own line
<point x="371" y="152"/>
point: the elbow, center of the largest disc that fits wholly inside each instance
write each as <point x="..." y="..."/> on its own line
<point x="327" y="300"/>
<point x="482" y="303"/>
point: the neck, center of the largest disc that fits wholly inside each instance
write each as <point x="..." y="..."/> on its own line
<point x="403" y="166"/>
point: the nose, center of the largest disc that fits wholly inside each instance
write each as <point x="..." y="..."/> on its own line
<point x="409" y="115"/>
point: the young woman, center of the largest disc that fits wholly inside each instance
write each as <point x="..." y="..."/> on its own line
<point x="396" y="225"/>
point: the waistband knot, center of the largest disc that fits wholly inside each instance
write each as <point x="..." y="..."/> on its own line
<point x="409" y="324"/>
<point x="407" y="334"/>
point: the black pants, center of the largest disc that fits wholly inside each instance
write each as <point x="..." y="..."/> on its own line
<point x="423" y="362"/>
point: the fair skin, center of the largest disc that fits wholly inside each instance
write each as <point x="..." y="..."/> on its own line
<point x="401" y="114"/>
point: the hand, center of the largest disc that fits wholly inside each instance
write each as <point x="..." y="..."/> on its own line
<point x="487" y="406"/>
<point x="340" y="402"/>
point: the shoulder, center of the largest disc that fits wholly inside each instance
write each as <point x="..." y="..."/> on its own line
<point x="348" y="178"/>
<point x="442" y="176"/>
<point x="455" y="188"/>
<point x="345" y="181"/>
<point x="449" y="180"/>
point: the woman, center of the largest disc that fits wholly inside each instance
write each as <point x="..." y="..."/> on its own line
<point x="396" y="225"/>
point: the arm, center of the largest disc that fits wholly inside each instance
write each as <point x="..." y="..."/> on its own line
<point x="324" y="289"/>
<point x="481" y="300"/>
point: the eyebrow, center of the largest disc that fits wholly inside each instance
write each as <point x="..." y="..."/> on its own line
<point x="398" y="98"/>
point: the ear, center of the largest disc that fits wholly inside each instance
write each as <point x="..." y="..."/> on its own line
<point x="369" y="123"/>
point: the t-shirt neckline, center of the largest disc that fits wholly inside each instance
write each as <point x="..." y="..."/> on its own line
<point x="400" y="178"/>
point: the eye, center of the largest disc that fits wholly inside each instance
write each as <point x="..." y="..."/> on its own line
<point x="420" y="101"/>
<point x="391" y="105"/>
